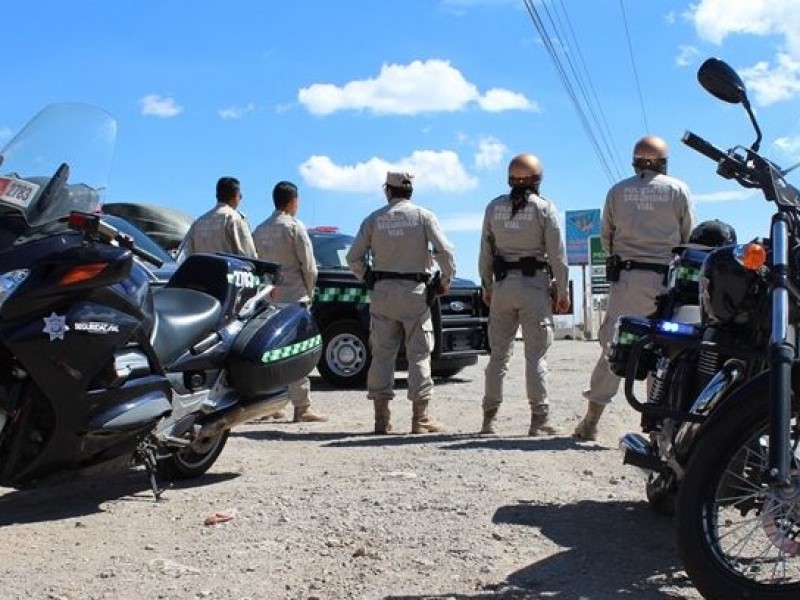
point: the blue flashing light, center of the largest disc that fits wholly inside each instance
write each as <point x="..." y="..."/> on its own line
<point x="675" y="327"/>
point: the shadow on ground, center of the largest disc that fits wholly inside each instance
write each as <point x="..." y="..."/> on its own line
<point x="85" y="497"/>
<point x="613" y="550"/>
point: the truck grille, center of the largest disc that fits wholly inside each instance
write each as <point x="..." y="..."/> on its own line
<point x="461" y="304"/>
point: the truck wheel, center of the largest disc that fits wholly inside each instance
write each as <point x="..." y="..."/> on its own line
<point x="345" y="354"/>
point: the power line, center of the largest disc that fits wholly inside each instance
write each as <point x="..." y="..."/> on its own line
<point x="633" y="65"/>
<point x="550" y="46"/>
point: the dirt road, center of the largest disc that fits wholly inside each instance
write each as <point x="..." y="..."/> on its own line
<point x="330" y="511"/>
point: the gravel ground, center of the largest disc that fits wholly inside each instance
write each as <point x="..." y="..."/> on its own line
<point x="329" y="511"/>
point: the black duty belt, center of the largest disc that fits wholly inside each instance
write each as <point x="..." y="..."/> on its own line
<point x="537" y="265"/>
<point x="418" y="277"/>
<point x="635" y="265"/>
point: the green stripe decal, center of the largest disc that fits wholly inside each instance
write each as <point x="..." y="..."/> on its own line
<point x="688" y="274"/>
<point x="358" y="295"/>
<point x="291" y="350"/>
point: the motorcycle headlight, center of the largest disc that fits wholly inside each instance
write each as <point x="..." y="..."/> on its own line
<point x="11" y="281"/>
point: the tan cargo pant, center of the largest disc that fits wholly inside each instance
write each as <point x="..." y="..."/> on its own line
<point x="634" y="294"/>
<point x="400" y="314"/>
<point x="524" y="302"/>
<point x="300" y="392"/>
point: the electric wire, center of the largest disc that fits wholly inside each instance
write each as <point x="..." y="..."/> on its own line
<point x="550" y="46"/>
<point x="633" y="65"/>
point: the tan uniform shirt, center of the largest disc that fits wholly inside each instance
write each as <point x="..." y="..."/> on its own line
<point x="222" y="229"/>
<point x="533" y="231"/>
<point x="284" y="240"/>
<point x="646" y="216"/>
<point x="400" y="235"/>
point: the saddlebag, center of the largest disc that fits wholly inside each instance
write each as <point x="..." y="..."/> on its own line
<point x="275" y="348"/>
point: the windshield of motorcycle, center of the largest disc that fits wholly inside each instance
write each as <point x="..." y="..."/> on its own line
<point x="59" y="162"/>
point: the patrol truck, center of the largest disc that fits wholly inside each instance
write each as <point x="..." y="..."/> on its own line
<point x="341" y="309"/>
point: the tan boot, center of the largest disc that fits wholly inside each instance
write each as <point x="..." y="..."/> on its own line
<point x="382" y="417"/>
<point x="540" y="424"/>
<point x="587" y="428"/>
<point x="304" y="414"/>
<point x="421" y="421"/>
<point x="489" y="416"/>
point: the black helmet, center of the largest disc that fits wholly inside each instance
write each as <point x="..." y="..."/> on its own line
<point x="713" y="234"/>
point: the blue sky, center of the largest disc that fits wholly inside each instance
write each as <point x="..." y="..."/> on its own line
<point x="332" y="94"/>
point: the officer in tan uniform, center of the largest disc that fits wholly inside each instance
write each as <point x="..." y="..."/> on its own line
<point x="283" y="239"/>
<point x="400" y="237"/>
<point x="521" y="245"/>
<point x="644" y="218"/>
<point x="223" y="228"/>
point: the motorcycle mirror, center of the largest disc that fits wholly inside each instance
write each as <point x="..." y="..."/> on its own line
<point x="720" y="80"/>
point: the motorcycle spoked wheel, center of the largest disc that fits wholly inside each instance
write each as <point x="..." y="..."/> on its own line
<point x="187" y="463"/>
<point x="738" y="538"/>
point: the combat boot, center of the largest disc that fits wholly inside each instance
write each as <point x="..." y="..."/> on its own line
<point x="382" y="417"/>
<point x="421" y="421"/>
<point x="587" y="428"/>
<point x="304" y="414"/>
<point x="540" y="424"/>
<point x="489" y="415"/>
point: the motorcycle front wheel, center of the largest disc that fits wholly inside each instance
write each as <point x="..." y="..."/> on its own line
<point x="186" y="463"/>
<point x="738" y="537"/>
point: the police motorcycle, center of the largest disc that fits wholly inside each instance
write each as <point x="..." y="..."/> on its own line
<point x="679" y="355"/>
<point x="738" y="503"/>
<point x="99" y="370"/>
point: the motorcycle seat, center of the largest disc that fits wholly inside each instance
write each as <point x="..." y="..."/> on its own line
<point x="182" y="317"/>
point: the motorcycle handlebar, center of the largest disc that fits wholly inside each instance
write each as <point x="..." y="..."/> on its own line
<point x="144" y="254"/>
<point x="695" y="142"/>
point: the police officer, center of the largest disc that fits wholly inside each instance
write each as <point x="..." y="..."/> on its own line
<point x="283" y="239"/>
<point x="400" y="237"/>
<point x="223" y="228"/>
<point x="644" y="218"/>
<point x="521" y="245"/>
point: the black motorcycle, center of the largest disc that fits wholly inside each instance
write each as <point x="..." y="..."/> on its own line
<point x="100" y="371"/>
<point x="738" y="502"/>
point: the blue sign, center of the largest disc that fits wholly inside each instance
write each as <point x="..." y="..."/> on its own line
<point x="580" y="224"/>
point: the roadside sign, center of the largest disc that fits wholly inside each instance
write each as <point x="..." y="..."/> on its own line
<point x="579" y="225"/>
<point x="597" y="265"/>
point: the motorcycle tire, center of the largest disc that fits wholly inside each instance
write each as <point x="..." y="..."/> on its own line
<point x="188" y="463"/>
<point x="731" y="530"/>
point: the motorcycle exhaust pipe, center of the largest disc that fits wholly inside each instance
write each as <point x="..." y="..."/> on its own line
<point x="241" y="414"/>
<point x="638" y="452"/>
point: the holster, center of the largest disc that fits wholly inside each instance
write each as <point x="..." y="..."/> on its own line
<point x="431" y="287"/>
<point x="613" y="268"/>
<point x="369" y="278"/>
<point x="499" y="268"/>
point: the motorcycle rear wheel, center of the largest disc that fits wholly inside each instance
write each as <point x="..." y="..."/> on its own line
<point x="187" y="463"/>
<point x="737" y="537"/>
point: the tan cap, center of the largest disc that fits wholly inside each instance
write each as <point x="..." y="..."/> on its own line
<point x="399" y="180"/>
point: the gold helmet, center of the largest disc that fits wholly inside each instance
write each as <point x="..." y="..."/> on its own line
<point x="650" y="154"/>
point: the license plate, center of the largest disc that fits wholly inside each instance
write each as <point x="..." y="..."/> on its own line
<point x="17" y="191"/>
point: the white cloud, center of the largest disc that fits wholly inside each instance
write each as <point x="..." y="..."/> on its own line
<point x="236" y="112"/>
<point x="725" y="196"/>
<point x="6" y="133"/>
<point x="433" y="170"/>
<point x="419" y="87"/>
<point x="773" y="83"/>
<point x="462" y="222"/>
<point x="490" y="153"/>
<point x="715" y="20"/>
<point x="498" y="100"/>
<point x="686" y="55"/>
<point x="159" y="106"/>
<point x="790" y="146"/>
